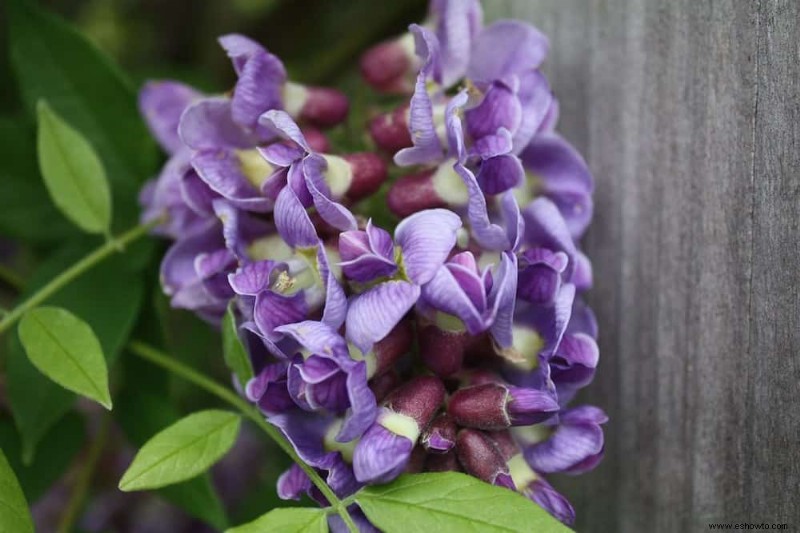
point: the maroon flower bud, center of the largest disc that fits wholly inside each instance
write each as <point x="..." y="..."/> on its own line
<point x="369" y="173"/>
<point x="324" y="107"/>
<point x="442" y="351"/>
<point x="416" y="463"/>
<point x="392" y="347"/>
<point x="390" y="130"/>
<point x="440" y="437"/>
<point x="413" y="193"/>
<point x="493" y="406"/>
<point x="505" y="443"/>
<point x="420" y="399"/>
<point x="442" y="462"/>
<point x="480" y="458"/>
<point x="316" y="139"/>
<point x="386" y="65"/>
<point x="382" y="384"/>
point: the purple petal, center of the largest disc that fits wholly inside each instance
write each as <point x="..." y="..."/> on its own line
<point x="545" y="227"/>
<point x="282" y="123"/>
<point x="281" y="154"/>
<point x="306" y="432"/>
<point x="293" y="222"/>
<point x="426" y="239"/>
<point x="582" y="319"/>
<point x="458" y="21"/>
<point x="380" y="455"/>
<point x="582" y="277"/>
<point x="574" y="363"/>
<point x="240" y="49"/>
<point x="331" y="212"/>
<point x="530" y="406"/>
<point x="493" y="145"/>
<point x="567" y="449"/>
<point x="367" y="255"/>
<point x="259" y="89"/>
<point x="537" y="102"/>
<point x="251" y="278"/>
<point x="317" y="337"/>
<point x="500" y="108"/>
<point x="551" y="322"/>
<point x="197" y="194"/>
<point x="293" y="483"/>
<point x="162" y="103"/>
<point x="541" y="492"/>
<point x="488" y="235"/>
<point x="273" y="310"/>
<point x="177" y="267"/>
<point x="505" y="48"/>
<point x="335" y="309"/>
<point x="209" y="124"/>
<point x="363" y="407"/>
<point x="540" y="275"/>
<point x="373" y="314"/>
<point x="444" y="293"/>
<point x="504" y="297"/>
<point x="427" y="146"/>
<point x="501" y="173"/>
<point x="268" y="390"/>
<point x="563" y="177"/>
<point x="221" y="170"/>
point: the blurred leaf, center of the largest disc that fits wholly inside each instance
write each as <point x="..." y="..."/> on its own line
<point x="183" y="450"/>
<point x="236" y="356"/>
<point x="73" y="173"/>
<point x="452" y="503"/>
<point x="141" y="415"/>
<point x="108" y="297"/>
<point x="23" y="214"/>
<point x="58" y="449"/>
<point x="64" y="348"/>
<point x="293" y="520"/>
<point x="15" y="516"/>
<point x="54" y="62"/>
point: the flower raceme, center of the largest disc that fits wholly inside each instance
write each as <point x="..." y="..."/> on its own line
<point x="450" y="338"/>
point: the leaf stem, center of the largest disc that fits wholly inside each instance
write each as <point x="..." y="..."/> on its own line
<point x="11" y="278"/>
<point x="85" y="477"/>
<point x="110" y="246"/>
<point x="163" y="360"/>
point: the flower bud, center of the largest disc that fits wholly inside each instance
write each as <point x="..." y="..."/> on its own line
<point x="392" y="347"/>
<point x="413" y="193"/>
<point x="369" y="173"/>
<point x="316" y="139"/>
<point x="442" y="351"/>
<point x="323" y="107"/>
<point x="480" y="458"/>
<point x="418" y="399"/>
<point x="416" y="462"/>
<point x="442" y="462"/>
<point x="382" y="384"/>
<point x="387" y="65"/>
<point x="494" y="406"/>
<point x="390" y="130"/>
<point x="440" y="436"/>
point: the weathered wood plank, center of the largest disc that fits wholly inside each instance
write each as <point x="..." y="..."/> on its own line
<point x="687" y="112"/>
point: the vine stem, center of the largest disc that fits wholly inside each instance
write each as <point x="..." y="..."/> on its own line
<point x="163" y="360"/>
<point x="54" y="285"/>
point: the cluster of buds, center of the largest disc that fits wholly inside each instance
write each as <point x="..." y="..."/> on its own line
<point x="454" y="341"/>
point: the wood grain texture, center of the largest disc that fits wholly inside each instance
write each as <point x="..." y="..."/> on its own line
<point x="688" y="113"/>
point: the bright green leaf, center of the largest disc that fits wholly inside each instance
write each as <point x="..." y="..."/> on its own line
<point x="235" y="355"/>
<point x="108" y="297"/>
<point x="73" y="173"/>
<point x="290" y="520"/>
<point x="14" y="514"/>
<point x="142" y="413"/>
<point x="183" y="450"/>
<point x="64" y="348"/>
<point x="54" y="62"/>
<point x="452" y="503"/>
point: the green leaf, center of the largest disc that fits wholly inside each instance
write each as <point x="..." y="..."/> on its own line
<point x="73" y="173"/>
<point x="59" y="449"/>
<point x="54" y="62"/>
<point x="24" y="216"/>
<point x="183" y="450"/>
<point x="452" y="503"/>
<point x="291" y="520"/>
<point x="233" y="350"/>
<point x="141" y="414"/>
<point x="64" y="348"/>
<point x="108" y="297"/>
<point x="14" y="514"/>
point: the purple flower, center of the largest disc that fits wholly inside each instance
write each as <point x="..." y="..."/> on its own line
<point x="423" y="242"/>
<point x="329" y="379"/>
<point x="494" y="406"/>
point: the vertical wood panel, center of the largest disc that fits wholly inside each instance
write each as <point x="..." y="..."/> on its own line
<point x="688" y="115"/>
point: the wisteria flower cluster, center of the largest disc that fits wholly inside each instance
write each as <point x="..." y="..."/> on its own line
<point x="454" y="341"/>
